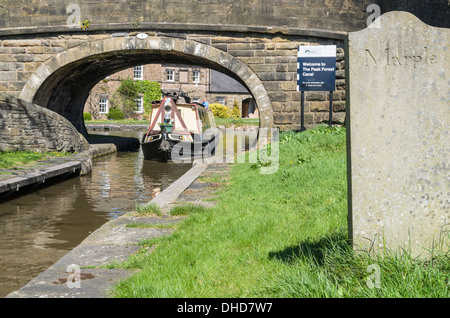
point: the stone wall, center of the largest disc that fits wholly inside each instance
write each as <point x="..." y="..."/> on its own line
<point x="28" y="127"/>
<point x="47" y="69"/>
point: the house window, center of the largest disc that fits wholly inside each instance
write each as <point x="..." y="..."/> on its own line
<point x="196" y="76"/>
<point x="103" y="105"/>
<point x="170" y="75"/>
<point x="221" y="100"/>
<point x="139" y="104"/>
<point x="138" y="73"/>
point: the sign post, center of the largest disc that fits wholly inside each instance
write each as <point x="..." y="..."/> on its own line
<point x="316" y="71"/>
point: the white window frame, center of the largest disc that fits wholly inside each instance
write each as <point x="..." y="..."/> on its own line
<point x="138" y="73"/>
<point x="170" y="75"/>
<point x="196" y="76"/>
<point x="139" y="105"/>
<point x="220" y="99"/>
<point x="103" y="102"/>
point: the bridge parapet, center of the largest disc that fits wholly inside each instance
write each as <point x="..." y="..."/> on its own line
<point x="28" y="127"/>
<point x="343" y="15"/>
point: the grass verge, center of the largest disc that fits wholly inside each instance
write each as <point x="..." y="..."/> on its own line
<point x="118" y="122"/>
<point x="280" y="235"/>
<point x="13" y="159"/>
<point x="240" y="122"/>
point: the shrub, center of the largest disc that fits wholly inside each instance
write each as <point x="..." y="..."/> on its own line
<point x="151" y="91"/>
<point x="236" y="113"/>
<point x="220" y="111"/>
<point x="87" y="116"/>
<point x="129" y="89"/>
<point x="115" y="113"/>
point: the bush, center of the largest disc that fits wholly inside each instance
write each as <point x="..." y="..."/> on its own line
<point x="236" y="113"/>
<point x="129" y="89"/>
<point x="220" y="111"/>
<point x="87" y="116"/>
<point x="115" y="113"/>
<point x="151" y="91"/>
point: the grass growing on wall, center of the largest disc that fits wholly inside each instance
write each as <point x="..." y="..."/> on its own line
<point x="12" y="159"/>
<point x="279" y="235"/>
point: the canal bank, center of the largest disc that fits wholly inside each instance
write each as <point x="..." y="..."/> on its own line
<point x="83" y="273"/>
<point x="28" y="177"/>
<point x="41" y="225"/>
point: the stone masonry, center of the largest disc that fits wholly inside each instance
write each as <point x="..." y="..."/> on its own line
<point x="24" y="126"/>
<point x="271" y="58"/>
<point x="46" y="61"/>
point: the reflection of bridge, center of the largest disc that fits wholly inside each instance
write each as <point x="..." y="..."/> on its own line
<point x="46" y="61"/>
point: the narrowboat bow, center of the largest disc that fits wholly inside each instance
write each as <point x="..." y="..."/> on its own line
<point x="179" y="132"/>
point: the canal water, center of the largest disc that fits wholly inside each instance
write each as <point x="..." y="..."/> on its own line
<point x="40" y="227"/>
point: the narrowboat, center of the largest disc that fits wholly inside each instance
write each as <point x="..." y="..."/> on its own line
<point x="179" y="132"/>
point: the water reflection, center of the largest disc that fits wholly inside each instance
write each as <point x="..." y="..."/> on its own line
<point x="38" y="228"/>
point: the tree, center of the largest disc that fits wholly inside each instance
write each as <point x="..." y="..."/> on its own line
<point x="236" y="112"/>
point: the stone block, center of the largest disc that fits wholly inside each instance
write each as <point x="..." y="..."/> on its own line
<point x="399" y="136"/>
<point x="339" y="106"/>
<point x="242" y="53"/>
<point x="8" y="76"/>
<point x="278" y="96"/>
<point x="245" y="46"/>
<point x="35" y="50"/>
<point x="319" y="106"/>
<point x="277" y="76"/>
<point x="22" y="43"/>
<point x="282" y="118"/>
<point x="18" y="50"/>
<point x="289" y="86"/>
<point x="316" y="96"/>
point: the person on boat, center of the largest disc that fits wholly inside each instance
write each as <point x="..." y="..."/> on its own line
<point x="205" y="103"/>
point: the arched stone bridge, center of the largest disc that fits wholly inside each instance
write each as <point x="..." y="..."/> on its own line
<point x="47" y="61"/>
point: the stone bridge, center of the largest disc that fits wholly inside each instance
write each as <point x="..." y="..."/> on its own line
<point x="49" y="60"/>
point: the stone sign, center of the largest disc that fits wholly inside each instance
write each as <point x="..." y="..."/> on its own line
<point x="398" y="101"/>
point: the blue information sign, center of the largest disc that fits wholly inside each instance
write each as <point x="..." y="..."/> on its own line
<point x="316" y="68"/>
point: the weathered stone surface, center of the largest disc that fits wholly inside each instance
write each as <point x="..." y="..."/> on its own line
<point x="399" y="135"/>
<point x="338" y="14"/>
<point x="28" y="127"/>
<point x="51" y="68"/>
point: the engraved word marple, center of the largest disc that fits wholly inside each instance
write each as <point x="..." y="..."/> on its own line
<point x="396" y="60"/>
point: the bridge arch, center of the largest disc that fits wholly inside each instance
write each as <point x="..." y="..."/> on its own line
<point x="63" y="83"/>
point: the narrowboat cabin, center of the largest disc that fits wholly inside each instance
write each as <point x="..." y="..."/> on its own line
<point x="179" y="131"/>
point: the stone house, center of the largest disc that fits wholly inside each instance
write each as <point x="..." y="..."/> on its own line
<point x="196" y="82"/>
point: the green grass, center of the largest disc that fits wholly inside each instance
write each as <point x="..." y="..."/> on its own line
<point x="119" y="122"/>
<point x="279" y="235"/>
<point x="14" y="159"/>
<point x="240" y="122"/>
<point x="219" y="121"/>
<point x="186" y="209"/>
<point x="148" y="209"/>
